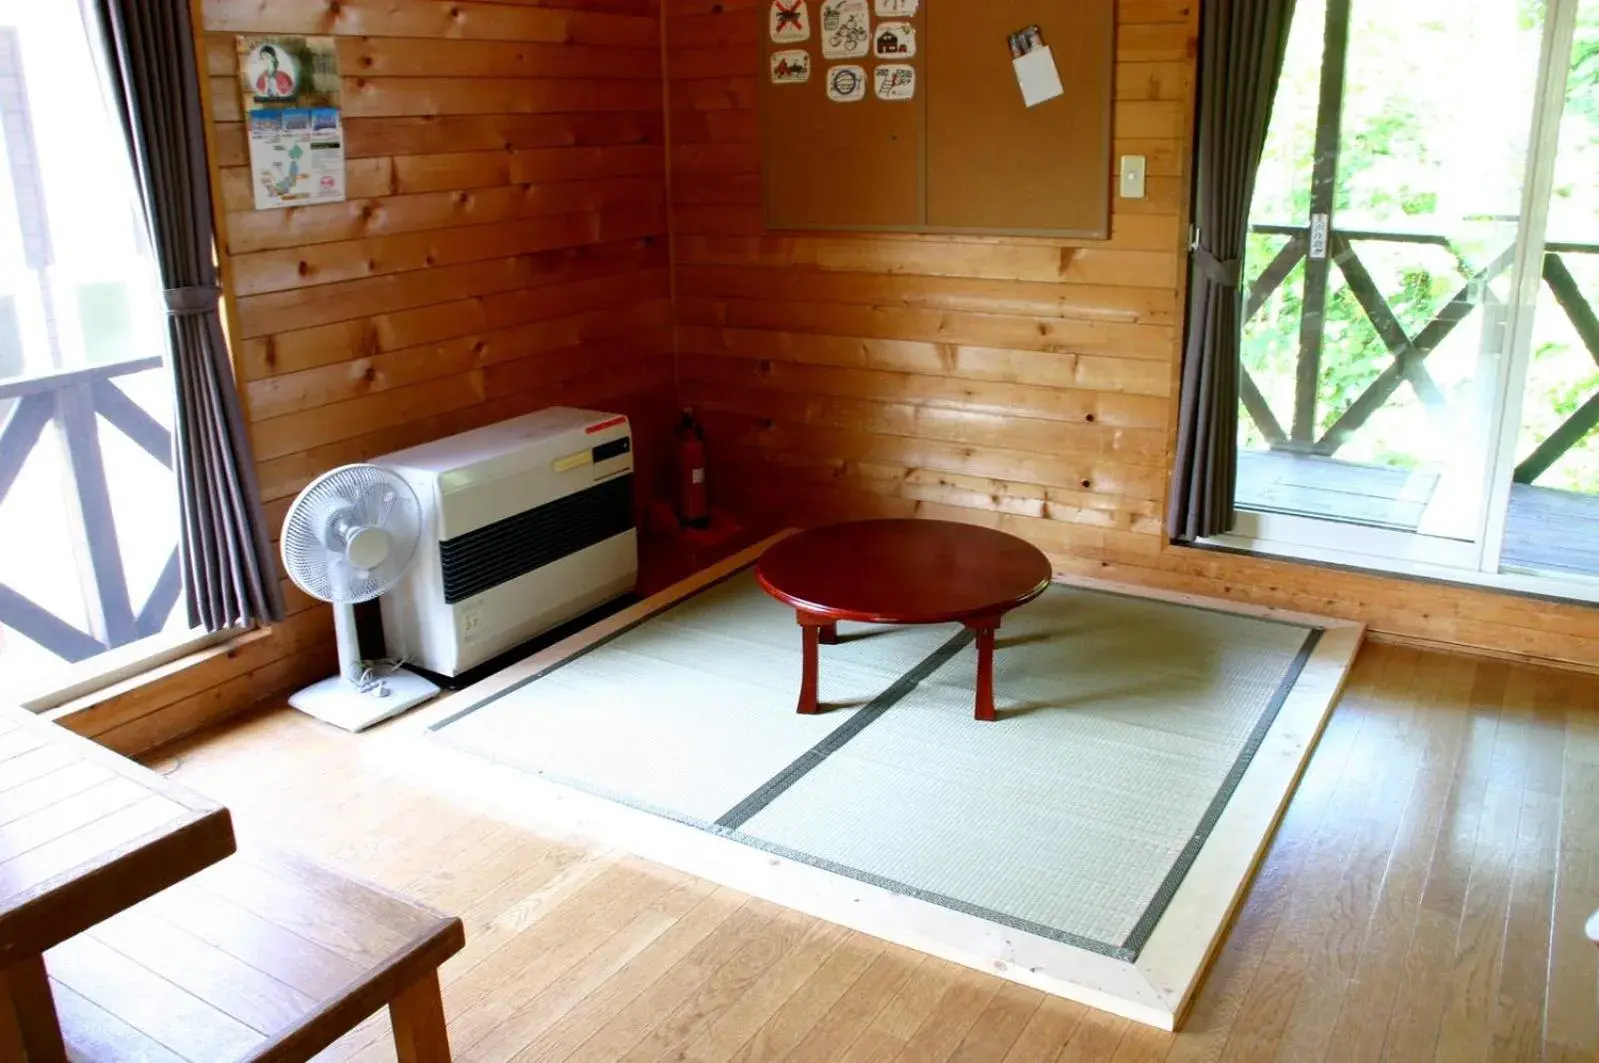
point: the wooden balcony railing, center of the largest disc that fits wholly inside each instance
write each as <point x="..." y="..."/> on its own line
<point x="72" y="403"/>
<point x="1336" y="248"/>
<point x="1410" y="352"/>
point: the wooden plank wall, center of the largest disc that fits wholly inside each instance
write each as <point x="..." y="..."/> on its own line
<point x="503" y="249"/>
<point x="1025" y="384"/>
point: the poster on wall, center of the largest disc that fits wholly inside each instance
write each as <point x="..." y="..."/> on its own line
<point x="289" y="88"/>
<point x="895" y="40"/>
<point x="846" y="84"/>
<point x="791" y="67"/>
<point x="790" y="22"/>
<point x="895" y="81"/>
<point x="846" y="29"/>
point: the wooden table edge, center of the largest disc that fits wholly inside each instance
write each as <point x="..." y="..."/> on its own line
<point x="957" y="616"/>
<point x="71" y="902"/>
<point x="111" y="760"/>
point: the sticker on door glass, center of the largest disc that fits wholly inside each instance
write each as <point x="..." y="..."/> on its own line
<point x="846" y="29"/>
<point x="790" y="22"/>
<point x="896" y="81"/>
<point x="896" y="8"/>
<point x="895" y="40"/>
<point x="791" y="67"/>
<point x="846" y="84"/>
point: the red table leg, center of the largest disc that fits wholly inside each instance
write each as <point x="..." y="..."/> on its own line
<point x="985" y="628"/>
<point x="829" y="635"/>
<point x="814" y="630"/>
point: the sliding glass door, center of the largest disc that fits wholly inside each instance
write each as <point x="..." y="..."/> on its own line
<point x="1550" y="464"/>
<point x="1395" y="320"/>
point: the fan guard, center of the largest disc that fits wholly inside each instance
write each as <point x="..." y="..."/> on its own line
<point x="350" y="534"/>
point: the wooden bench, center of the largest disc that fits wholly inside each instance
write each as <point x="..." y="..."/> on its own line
<point x="261" y="957"/>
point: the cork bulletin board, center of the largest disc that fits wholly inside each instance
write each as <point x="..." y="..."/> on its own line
<point x="910" y="116"/>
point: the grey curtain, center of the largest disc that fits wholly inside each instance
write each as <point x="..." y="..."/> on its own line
<point x="148" y="55"/>
<point x="1241" y="47"/>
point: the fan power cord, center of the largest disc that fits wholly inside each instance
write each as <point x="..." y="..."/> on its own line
<point x="375" y="675"/>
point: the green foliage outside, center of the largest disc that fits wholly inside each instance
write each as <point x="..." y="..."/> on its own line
<point x="1434" y="142"/>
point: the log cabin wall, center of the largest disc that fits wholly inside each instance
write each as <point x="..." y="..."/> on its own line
<point x="505" y="248"/>
<point x="1027" y="384"/>
<point x="502" y="249"/>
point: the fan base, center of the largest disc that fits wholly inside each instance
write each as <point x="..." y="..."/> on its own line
<point x="338" y="702"/>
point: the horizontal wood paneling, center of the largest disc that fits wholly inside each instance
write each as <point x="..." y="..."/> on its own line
<point x="1027" y="384"/>
<point x="503" y="249"/>
<point x="1024" y="383"/>
<point x="602" y="22"/>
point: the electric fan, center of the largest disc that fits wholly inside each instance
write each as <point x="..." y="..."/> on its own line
<point x="348" y="538"/>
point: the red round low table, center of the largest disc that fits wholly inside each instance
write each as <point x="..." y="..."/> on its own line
<point x="903" y="572"/>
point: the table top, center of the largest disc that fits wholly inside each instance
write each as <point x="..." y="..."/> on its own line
<point x="904" y="571"/>
<point x="85" y="834"/>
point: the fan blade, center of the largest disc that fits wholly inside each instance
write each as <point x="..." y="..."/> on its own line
<point x="364" y="497"/>
<point x="342" y="579"/>
<point x="330" y="555"/>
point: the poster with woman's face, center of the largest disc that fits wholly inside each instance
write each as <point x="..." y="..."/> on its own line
<point x="273" y="73"/>
<point x="288" y="71"/>
<point x="289" y="90"/>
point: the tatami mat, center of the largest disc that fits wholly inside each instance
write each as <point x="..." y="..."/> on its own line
<point x="691" y="712"/>
<point x="1124" y="724"/>
<point x="1121" y="721"/>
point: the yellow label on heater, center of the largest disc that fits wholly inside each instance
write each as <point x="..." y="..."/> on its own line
<point x="574" y="461"/>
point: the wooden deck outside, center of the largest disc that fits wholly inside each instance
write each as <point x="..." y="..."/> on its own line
<point x="1547" y="530"/>
<point x="1552" y="530"/>
<point x="1424" y="899"/>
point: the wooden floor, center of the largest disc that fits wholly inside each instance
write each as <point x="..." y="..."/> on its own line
<point x="1424" y="899"/>
<point x="1545" y="531"/>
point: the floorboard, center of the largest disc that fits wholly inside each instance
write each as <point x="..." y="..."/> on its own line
<point x="1423" y="899"/>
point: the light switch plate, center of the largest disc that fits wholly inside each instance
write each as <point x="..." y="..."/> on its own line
<point x="1133" y="169"/>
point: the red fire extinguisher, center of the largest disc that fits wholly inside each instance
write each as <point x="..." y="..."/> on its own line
<point x="693" y="503"/>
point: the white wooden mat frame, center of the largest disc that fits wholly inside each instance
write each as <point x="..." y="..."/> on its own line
<point x="1156" y="989"/>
